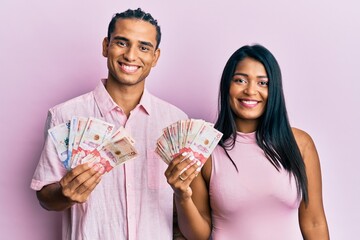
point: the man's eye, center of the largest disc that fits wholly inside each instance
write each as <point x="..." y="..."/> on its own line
<point x="144" y="48"/>
<point x="121" y="44"/>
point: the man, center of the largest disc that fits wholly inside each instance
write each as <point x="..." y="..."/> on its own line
<point x="132" y="201"/>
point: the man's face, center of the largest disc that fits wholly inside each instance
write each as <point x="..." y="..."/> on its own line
<point x="130" y="51"/>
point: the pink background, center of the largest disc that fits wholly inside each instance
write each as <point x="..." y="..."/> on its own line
<point x="51" y="51"/>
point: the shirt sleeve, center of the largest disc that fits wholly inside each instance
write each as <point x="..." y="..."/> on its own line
<point x="49" y="169"/>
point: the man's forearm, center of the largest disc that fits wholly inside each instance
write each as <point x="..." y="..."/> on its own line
<point x="52" y="199"/>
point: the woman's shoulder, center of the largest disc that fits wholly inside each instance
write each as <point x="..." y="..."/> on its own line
<point x="303" y="140"/>
<point x="300" y="134"/>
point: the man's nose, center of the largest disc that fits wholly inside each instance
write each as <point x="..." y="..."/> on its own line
<point x="130" y="55"/>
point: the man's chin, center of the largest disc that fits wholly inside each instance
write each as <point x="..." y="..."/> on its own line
<point x="128" y="82"/>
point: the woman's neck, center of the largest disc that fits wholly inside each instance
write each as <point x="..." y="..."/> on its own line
<point x="246" y="125"/>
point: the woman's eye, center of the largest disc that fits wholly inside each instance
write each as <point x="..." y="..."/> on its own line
<point x="239" y="80"/>
<point x="263" y="83"/>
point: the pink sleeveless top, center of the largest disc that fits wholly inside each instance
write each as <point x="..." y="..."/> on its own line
<point x="256" y="203"/>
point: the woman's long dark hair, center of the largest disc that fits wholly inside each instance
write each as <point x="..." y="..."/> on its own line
<point x="273" y="134"/>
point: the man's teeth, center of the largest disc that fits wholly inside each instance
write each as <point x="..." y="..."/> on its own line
<point x="129" y="68"/>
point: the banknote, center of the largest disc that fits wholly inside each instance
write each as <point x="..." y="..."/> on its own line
<point x="164" y="149"/>
<point x="182" y="133"/>
<point x="174" y="137"/>
<point x="73" y="123"/>
<point x="167" y="137"/>
<point x="195" y="136"/>
<point x="82" y="139"/>
<point x="162" y="155"/>
<point x="96" y="131"/>
<point x="77" y="128"/>
<point x="112" y="153"/>
<point x="205" y="142"/>
<point x="59" y="135"/>
<point x="193" y="129"/>
<point x="120" y="133"/>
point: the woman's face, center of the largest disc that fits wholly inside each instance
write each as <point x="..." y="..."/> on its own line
<point x="248" y="93"/>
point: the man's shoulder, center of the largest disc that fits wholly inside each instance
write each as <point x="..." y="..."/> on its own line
<point x="74" y="102"/>
<point x="75" y="106"/>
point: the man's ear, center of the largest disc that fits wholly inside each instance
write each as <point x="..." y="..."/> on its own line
<point x="105" y="45"/>
<point x="156" y="57"/>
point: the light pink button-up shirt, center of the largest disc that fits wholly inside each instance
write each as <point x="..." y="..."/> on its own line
<point x="133" y="201"/>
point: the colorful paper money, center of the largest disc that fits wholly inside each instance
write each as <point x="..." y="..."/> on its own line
<point x="193" y="135"/>
<point x="59" y="135"/>
<point x="112" y="153"/>
<point x="96" y="131"/>
<point x="83" y="140"/>
<point x="77" y="127"/>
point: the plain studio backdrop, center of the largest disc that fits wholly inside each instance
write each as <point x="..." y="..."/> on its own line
<point x="51" y="51"/>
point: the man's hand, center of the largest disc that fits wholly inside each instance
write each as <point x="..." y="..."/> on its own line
<point x="77" y="184"/>
<point x="74" y="187"/>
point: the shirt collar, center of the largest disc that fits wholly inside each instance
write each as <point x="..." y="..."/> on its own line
<point x="107" y="104"/>
<point x="145" y="102"/>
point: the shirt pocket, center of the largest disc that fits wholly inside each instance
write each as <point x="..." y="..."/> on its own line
<point x="155" y="170"/>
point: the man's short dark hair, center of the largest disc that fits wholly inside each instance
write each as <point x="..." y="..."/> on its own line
<point x="135" y="14"/>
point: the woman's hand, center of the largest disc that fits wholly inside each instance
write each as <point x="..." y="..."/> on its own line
<point x="181" y="172"/>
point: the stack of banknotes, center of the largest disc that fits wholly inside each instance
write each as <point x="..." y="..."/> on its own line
<point x="82" y="140"/>
<point x="197" y="137"/>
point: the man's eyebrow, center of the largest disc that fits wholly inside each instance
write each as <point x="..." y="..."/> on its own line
<point x="127" y="40"/>
<point x="146" y="43"/>
<point x="121" y="38"/>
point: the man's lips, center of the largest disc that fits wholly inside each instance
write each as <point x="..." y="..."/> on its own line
<point x="128" y="68"/>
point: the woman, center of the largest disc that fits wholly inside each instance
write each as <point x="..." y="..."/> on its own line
<point x="263" y="181"/>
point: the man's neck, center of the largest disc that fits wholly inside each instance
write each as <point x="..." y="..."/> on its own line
<point x="127" y="97"/>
